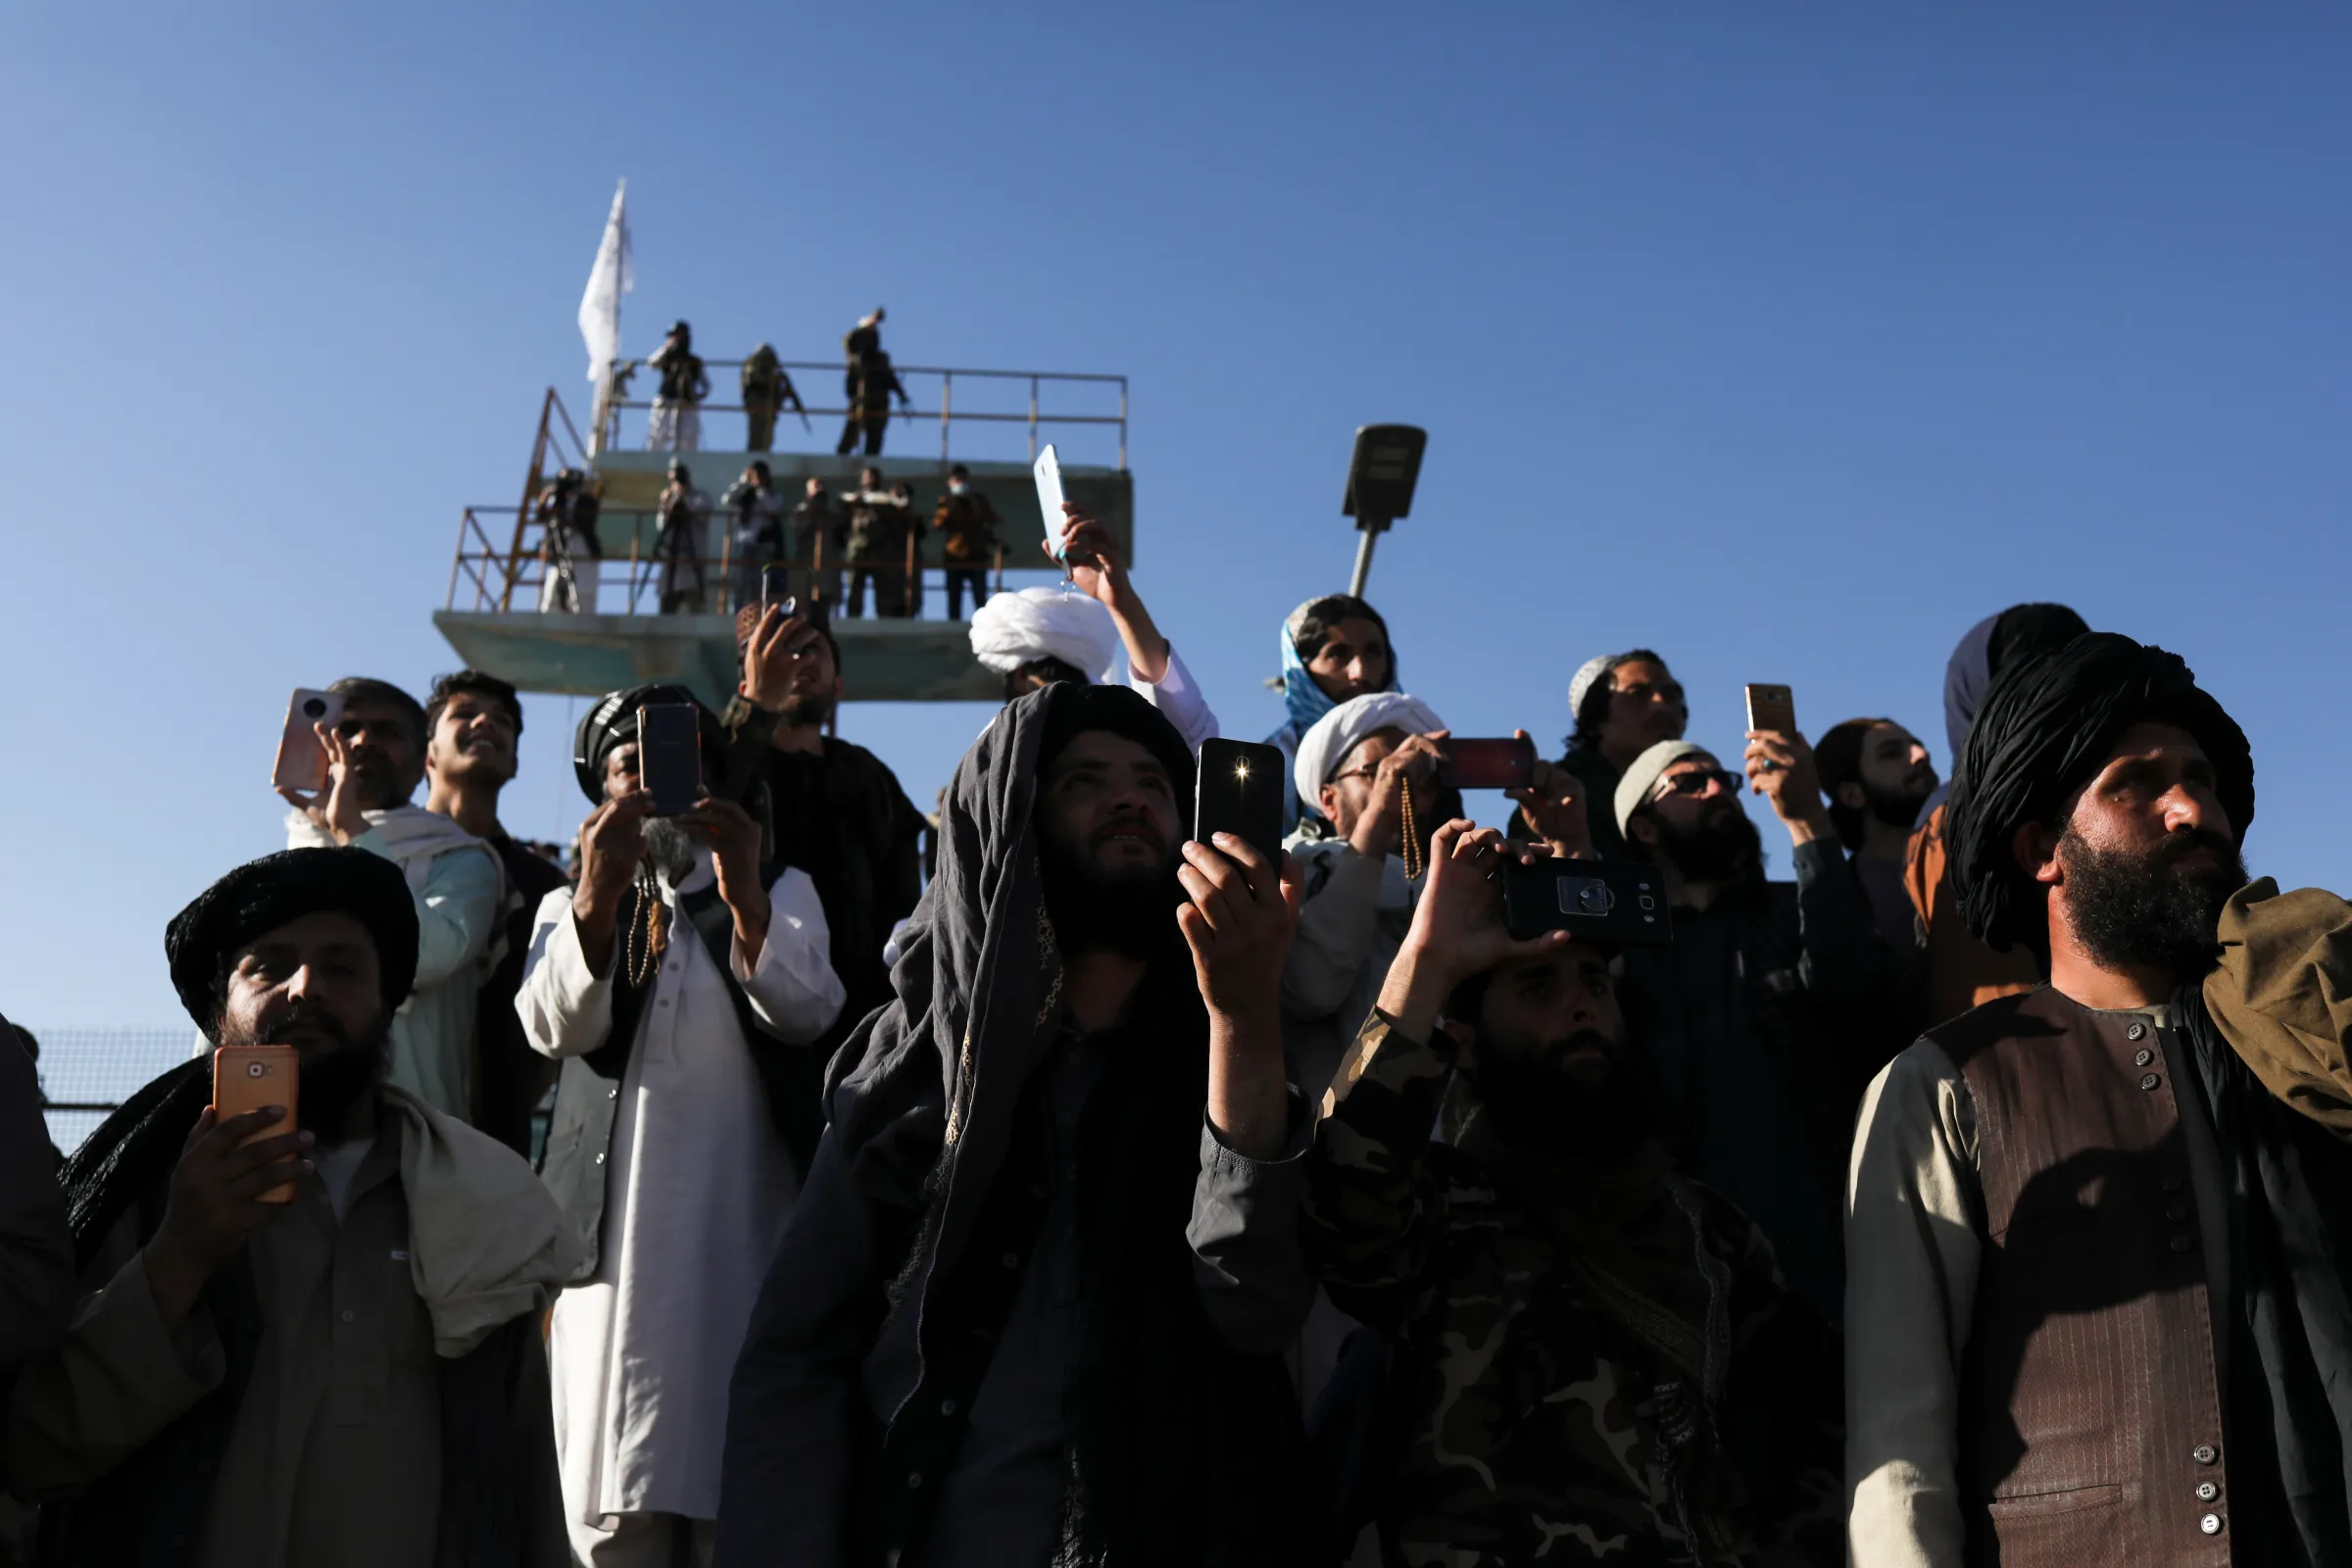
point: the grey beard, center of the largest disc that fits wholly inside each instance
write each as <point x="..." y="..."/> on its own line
<point x="670" y="850"/>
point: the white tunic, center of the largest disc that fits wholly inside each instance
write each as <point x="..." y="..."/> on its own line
<point x="698" y="1185"/>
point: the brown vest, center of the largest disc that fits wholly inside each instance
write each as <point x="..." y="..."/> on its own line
<point x="2090" y="1415"/>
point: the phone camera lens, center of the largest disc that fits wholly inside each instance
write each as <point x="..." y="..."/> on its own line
<point x="254" y="1069"/>
<point x="313" y="707"/>
<point x="1593" y="899"/>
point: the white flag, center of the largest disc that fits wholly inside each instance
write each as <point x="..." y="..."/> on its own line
<point x="607" y="281"/>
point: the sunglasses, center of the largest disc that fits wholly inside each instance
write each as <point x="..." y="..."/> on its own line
<point x="1696" y="782"/>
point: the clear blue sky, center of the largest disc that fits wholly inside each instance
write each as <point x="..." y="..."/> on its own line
<point x="1787" y="339"/>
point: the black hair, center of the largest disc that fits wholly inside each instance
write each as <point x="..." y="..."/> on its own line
<point x="960" y="470"/>
<point x="760" y="468"/>
<point x="367" y="688"/>
<point x="2024" y="630"/>
<point x="1838" y="759"/>
<point x="1024" y="678"/>
<point x="481" y="683"/>
<point x="1323" y="617"/>
<point x="1594" y="711"/>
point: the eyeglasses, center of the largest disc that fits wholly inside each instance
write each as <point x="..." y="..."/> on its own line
<point x="1695" y="780"/>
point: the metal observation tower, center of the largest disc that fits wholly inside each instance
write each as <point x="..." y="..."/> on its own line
<point x="499" y="579"/>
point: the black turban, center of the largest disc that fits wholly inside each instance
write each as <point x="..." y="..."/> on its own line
<point x="263" y="895"/>
<point x="613" y="724"/>
<point x="2046" y="727"/>
<point x="1122" y="711"/>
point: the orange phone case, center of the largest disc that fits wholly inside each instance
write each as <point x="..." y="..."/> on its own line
<point x="247" y="1078"/>
<point x="1772" y="707"/>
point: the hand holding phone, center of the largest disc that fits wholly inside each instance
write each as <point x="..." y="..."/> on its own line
<point x="301" y="757"/>
<point x="1239" y="791"/>
<point x="248" y="1078"/>
<point x="1615" y="902"/>
<point x="1504" y="764"/>
<point x="669" y="757"/>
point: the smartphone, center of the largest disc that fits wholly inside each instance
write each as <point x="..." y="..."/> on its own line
<point x="1618" y="901"/>
<point x="300" y="759"/>
<point x="775" y="587"/>
<point x="1240" y="792"/>
<point x="247" y="1078"/>
<point x="1771" y="707"/>
<point x="1047" y="469"/>
<point x="669" y="757"/>
<point x="1509" y="763"/>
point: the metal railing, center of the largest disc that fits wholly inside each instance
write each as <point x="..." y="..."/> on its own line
<point x="1034" y="417"/>
<point x="521" y="576"/>
<point x="85" y="1073"/>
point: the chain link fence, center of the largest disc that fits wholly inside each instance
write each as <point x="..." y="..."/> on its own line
<point x="85" y="1073"/>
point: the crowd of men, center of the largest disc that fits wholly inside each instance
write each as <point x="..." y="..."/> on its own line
<point x="796" y="1181"/>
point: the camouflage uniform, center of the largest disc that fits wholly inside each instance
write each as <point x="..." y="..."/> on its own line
<point x="1538" y="1419"/>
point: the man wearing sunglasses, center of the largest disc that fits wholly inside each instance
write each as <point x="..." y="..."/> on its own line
<point x="1761" y="1012"/>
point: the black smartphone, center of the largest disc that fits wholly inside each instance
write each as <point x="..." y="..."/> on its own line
<point x="669" y="757"/>
<point x="1240" y="792"/>
<point x="775" y="587"/>
<point x="1507" y="763"/>
<point x="1617" y="902"/>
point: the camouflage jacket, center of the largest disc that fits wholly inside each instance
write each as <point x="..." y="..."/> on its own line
<point x="1532" y="1423"/>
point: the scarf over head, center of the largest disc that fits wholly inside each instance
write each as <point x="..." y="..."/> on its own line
<point x="1012" y="629"/>
<point x="2046" y="727"/>
<point x="1326" y="745"/>
<point x="1305" y="701"/>
<point x="938" y="1096"/>
<point x="260" y="896"/>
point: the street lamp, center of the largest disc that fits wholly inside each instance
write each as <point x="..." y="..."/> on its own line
<point x="1381" y="476"/>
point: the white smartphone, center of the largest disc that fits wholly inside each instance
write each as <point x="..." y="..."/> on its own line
<point x="301" y="761"/>
<point x="1047" y="469"/>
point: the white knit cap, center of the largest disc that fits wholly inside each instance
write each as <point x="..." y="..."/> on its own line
<point x="1325" y="746"/>
<point x="1011" y="629"/>
<point x="1643" y="777"/>
<point x="1582" y="682"/>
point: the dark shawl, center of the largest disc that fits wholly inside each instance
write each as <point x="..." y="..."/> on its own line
<point x="2046" y="727"/>
<point x="1177" y="1444"/>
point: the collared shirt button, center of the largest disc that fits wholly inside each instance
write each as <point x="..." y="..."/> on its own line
<point x="1012" y="1260"/>
<point x="2176" y="1210"/>
<point x="2205" y="1454"/>
<point x="2211" y="1524"/>
<point x="914" y="1478"/>
<point x="613" y="1094"/>
<point x="2137" y="1031"/>
<point x="2150" y="1081"/>
<point x="2181" y="1242"/>
<point x="948" y="1408"/>
<point x="665" y="1002"/>
<point x="349" y="1314"/>
<point x="2207" y="1491"/>
<point x="599" y="1157"/>
<point x="2173" y="1184"/>
<point x="2143" y="1058"/>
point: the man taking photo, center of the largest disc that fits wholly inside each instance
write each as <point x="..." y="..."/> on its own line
<point x="1595" y="1359"/>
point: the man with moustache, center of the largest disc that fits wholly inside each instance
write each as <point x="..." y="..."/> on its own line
<point x="1878" y="775"/>
<point x="1622" y="704"/>
<point x="1595" y="1358"/>
<point x="1032" y="1304"/>
<point x="1333" y="649"/>
<point x="682" y="991"/>
<point x="351" y="1376"/>
<point x="2099" y="1240"/>
<point x="375" y="759"/>
<point x="1763" y="1014"/>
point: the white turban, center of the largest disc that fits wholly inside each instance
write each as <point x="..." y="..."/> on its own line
<point x="1011" y="629"/>
<point x="1322" y="749"/>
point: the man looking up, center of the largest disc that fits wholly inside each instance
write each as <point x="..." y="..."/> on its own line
<point x="350" y="1377"/>
<point x="474" y="722"/>
<point x="375" y="759"/>
<point x="825" y="806"/>
<point x="1595" y="1359"/>
<point x="682" y="993"/>
<point x="967" y="523"/>
<point x="1357" y="764"/>
<point x="2098" y="1292"/>
<point x="1623" y="704"/>
<point x="1333" y="648"/>
<point x="1878" y="776"/>
<point x="1032" y="1301"/>
<point x="1762" y="1013"/>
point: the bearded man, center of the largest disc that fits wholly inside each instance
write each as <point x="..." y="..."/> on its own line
<point x="1595" y="1359"/>
<point x="1878" y="775"/>
<point x="2099" y="1230"/>
<point x="1763" y="1016"/>
<point x="354" y="1376"/>
<point x="1031" y="1306"/>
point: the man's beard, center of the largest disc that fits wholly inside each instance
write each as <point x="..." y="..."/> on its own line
<point x="1723" y="846"/>
<point x="670" y="850"/>
<point x="2141" y="909"/>
<point x="1533" y="1100"/>
<point x="799" y="713"/>
<point x="1131" y="911"/>
<point x="376" y="780"/>
<point x="1898" y="808"/>
<point x="333" y="1077"/>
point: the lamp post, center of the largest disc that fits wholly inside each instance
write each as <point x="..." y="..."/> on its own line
<point x="1381" y="474"/>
